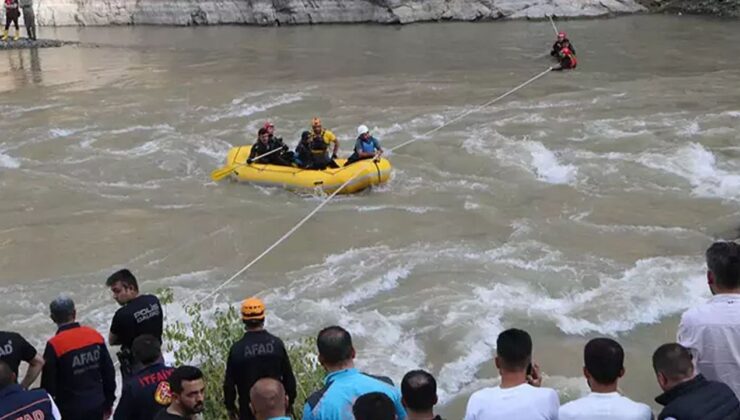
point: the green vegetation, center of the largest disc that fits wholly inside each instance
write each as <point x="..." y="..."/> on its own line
<point x="206" y="344"/>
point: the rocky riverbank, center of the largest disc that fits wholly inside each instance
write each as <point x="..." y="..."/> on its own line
<point x="24" y="43"/>
<point x="724" y="8"/>
<point x="279" y="12"/>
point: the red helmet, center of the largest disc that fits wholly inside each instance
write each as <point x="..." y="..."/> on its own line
<point x="565" y="51"/>
<point x="562" y="35"/>
<point x="267" y="125"/>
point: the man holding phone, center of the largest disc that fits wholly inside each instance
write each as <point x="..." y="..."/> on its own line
<point x="519" y="395"/>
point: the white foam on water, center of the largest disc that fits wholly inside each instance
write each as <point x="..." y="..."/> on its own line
<point x="547" y="166"/>
<point x="213" y="148"/>
<point x="410" y="209"/>
<point x="694" y="163"/>
<point x="238" y="110"/>
<point x="9" y="162"/>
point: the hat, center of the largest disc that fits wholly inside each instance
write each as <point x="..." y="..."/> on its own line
<point x="561" y="35"/>
<point x="268" y="125"/>
<point x="362" y="130"/>
<point x="253" y="309"/>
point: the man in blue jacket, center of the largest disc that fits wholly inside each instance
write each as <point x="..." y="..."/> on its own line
<point x="343" y="383"/>
<point x="689" y="396"/>
<point x="17" y="403"/>
<point x="366" y="146"/>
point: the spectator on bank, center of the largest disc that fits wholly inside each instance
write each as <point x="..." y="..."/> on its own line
<point x="188" y="391"/>
<point x="712" y="330"/>
<point x="29" y="18"/>
<point x="419" y="395"/>
<point x="689" y="396"/>
<point x="603" y="367"/>
<point x="78" y="372"/>
<point x="14" y="349"/>
<point x="374" y="406"/>
<point x="256" y="355"/>
<point x="519" y="395"/>
<point x="343" y="383"/>
<point x="268" y="401"/>
<point x="138" y="315"/>
<point x="147" y="391"/>
<point x="17" y="403"/>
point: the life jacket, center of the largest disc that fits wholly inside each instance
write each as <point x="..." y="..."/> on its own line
<point x="368" y="145"/>
<point x="16" y="403"/>
<point x="317" y="145"/>
<point x="568" y="61"/>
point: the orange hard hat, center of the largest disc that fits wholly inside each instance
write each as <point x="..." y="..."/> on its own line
<point x="316" y="122"/>
<point x="253" y="309"/>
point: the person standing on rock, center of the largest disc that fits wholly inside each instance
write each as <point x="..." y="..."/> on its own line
<point x="11" y="15"/>
<point x="29" y="19"/>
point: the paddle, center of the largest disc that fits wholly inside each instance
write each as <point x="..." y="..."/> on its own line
<point x="222" y="173"/>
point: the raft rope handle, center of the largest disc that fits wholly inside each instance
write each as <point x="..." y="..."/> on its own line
<point x="347" y="182"/>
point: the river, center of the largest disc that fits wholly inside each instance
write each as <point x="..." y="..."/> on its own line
<point x="578" y="207"/>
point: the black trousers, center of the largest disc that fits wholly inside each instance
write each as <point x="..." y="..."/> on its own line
<point x="11" y="15"/>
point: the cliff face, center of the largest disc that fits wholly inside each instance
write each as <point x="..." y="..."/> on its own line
<point x="270" y="12"/>
<point x="727" y="8"/>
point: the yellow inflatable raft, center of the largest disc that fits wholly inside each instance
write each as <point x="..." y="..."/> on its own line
<point x="366" y="173"/>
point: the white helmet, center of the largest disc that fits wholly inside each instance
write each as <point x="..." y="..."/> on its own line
<point x="362" y="130"/>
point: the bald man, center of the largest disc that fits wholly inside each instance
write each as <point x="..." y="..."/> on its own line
<point x="268" y="400"/>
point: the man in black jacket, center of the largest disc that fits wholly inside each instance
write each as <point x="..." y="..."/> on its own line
<point x="78" y="371"/>
<point x="257" y="355"/>
<point x="688" y="396"/>
<point x="139" y="314"/>
<point x="266" y="144"/>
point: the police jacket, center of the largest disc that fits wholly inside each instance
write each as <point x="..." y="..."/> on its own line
<point x="145" y="393"/>
<point x="699" y="399"/>
<point x="341" y="389"/>
<point x="78" y="371"/>
<point x="16" y="403"/>
<point x="257" y="355"/>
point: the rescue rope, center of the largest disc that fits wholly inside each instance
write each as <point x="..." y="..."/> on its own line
<point x="555" y="28"/>
<point x="347" y="182"/>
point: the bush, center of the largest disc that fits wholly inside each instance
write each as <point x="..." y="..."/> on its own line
<point x="206" y="343"/>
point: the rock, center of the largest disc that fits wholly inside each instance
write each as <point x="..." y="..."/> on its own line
<point x="729" y="8"/>
<point x="27" y="43"/>
<point x="271" y="12"/>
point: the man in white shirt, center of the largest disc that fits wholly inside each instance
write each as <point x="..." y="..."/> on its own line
<point x="712" y="330"/>
<point x="604" y="365"/>
<point x="519" y="396"/>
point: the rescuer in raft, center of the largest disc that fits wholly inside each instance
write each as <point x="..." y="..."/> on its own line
<point x="265" y="145"/>
<point x="319" y="142"/>
<point x="560" y="43"/>
<point x="567" y="60"/>
<point x="366" y="146"/>
<point x="302" y="157"/>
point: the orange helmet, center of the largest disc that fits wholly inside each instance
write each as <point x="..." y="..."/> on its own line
<point x="316" y="122"/>
<point x="253" y="309"/>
